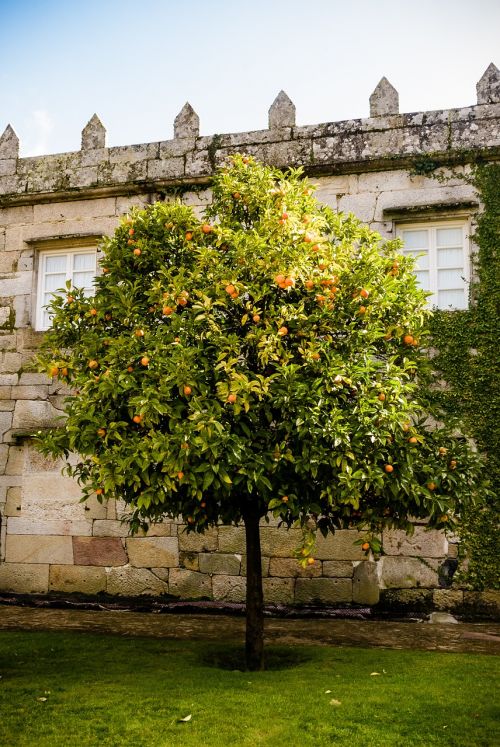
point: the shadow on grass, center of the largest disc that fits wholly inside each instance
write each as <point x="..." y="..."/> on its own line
<point x="232" y="658"/>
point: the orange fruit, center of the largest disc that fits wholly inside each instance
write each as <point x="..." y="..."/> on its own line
<point x="289" y="282"/>
<point x="54" y="371"/>
<point x="408" y="339"/>
<point x="308" y="238"/>
<point x="406" y="427"/>
<point x="256" y="318"/>
<point x="189" y="235"/>
<point x="309" y="284"/>
<point x="365" y="546"/>
<point x="137" y="252"/>
<point x="137" y="418"/>
<point x="130" y="369"/>
<point x="315" y="356"/>
<point x="389" y="468"/>
<point x="180" y="475"/>
<point x="284" y="499"/>
<point x="310" y="561"/>
<point x="232" y="399"/>
<point x="167" y="310"/>
<point x="93" y="364"/>
<point x="442" y="450"/>
<point x="381" y="397"/>
<point x="315" y="247"/>
<point x="93" y="312"/>
<point x="444" y="518"/>
<point x="236" y="195"/>
<point x="99" y="491"/>
<point x="279" y="279"/>
<point x="230" y="288"/>
<point x="131" y="232"/>
<point x="184" y="446"/>
<point x="207" y="228"/>
<point x="105" y="270"/>
<point x="64" y="371"/>
<point x="364" y="293"/>
<point x="182" y="301"/>
<point x="362" y="310"/>
<point x="70" y="299"/>
<point x="145" y="361"/>
<point x="413" y="440"/>
<point x="187" y="390"/>
<point x="453" y="464"/>
<point x="282" y="331"/>
<point x="139" y="333"/>
<point x="431" y="486"/>
<point x="101" y="432"/>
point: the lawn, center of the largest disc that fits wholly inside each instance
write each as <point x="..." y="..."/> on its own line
<point x="81" y="689"/>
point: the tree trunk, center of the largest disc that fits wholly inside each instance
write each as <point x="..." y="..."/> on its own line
<point x="254" y="642"/>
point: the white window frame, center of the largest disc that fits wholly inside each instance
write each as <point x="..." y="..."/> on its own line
<point x="70" y="252"/>
<point x="432" y="226"/>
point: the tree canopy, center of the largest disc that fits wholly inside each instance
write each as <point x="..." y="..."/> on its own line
<point x="267" y="356"/>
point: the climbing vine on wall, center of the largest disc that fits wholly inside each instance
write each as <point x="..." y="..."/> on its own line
<point x="467" y="343"/>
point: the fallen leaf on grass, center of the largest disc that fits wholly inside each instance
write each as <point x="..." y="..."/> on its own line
<point x="186" y="718"/>
<point x="327" y="691"/>
<point x="42" y="700"/>
<point x="335" y="702"/>
<point x="375" y="674"/>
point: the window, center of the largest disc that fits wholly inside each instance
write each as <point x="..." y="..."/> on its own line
<point x="55" y="268"/>
<point x="442" y="260"/>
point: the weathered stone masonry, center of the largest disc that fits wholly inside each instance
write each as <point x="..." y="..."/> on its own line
<point x="49" y="540"/>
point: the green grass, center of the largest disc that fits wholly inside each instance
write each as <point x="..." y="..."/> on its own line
<point x="106" y="690"/>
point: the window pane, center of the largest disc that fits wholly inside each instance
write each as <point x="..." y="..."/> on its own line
<point x="422" y="259"/>
<point x="53" y="282"/>
<point x="449" y="237"/>
<point x="46" y="319"/>
<point x="88" y="292"/>
<point x="454" y="299"/>
<point x="56" y="263"/>
<point x="84" y="262"/>
<point x="415" y="239"/>
<point x="450" y="279"/>
<point x="423" y="280"/>
<point x="83" y="279"/>
<point x="450" y="258"/>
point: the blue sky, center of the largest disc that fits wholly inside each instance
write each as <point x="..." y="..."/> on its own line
<point x="136" y="64"/>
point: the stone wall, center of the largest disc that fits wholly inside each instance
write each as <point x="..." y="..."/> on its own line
<point x="49" y="541"/>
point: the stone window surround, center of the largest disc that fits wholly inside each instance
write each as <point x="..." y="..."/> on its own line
<point x="60" y="243"/>
<point x="446" y="212"/>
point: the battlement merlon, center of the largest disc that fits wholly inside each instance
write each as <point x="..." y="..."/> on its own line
<point x="377" y="143"/>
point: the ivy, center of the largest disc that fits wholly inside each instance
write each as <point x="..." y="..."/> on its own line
<point x="467" y="359"/>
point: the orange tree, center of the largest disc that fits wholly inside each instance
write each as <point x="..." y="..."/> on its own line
<point x="265" y="359"/>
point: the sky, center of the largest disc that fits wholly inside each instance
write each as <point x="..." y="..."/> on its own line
<point x="136" y="63"/>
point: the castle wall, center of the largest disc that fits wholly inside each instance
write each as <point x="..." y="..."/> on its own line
<point x="50" y="541"/>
